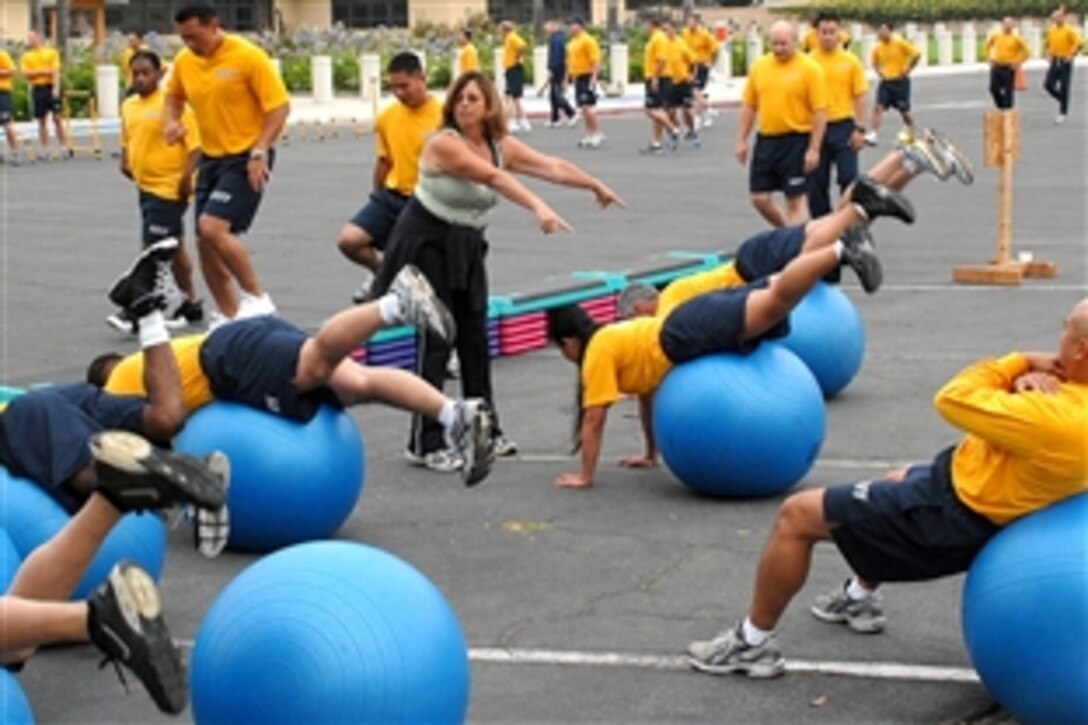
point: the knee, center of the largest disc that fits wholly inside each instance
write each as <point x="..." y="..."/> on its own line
<point x="801" y="516"/>
<point x="212" y="231"/>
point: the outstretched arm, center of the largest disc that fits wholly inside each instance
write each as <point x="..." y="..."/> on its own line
<point x="522" y="158"/>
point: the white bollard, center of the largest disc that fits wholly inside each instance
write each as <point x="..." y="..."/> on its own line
<point x="723" y="64"/>
<point x="969" y="43"/>
<point x="107" y="90"/>
<point x="1034" y="35"/>
<point x="321" y="78"/>
<point x="619" y="69"/>
<point x="370" y="77"/>
<point x="500" y="73"/>
<point x="856" y="30"/>
<point x="868" y="42"/>
<point x="910" y="30"/>
<point x="754" y="46"/>
<point x="540" y="67"/>
<point x="944" y="47"/>
<point x="921" y="42"/>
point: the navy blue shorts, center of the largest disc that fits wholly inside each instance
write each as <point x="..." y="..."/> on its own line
<point x="44" y="434"/>
<point x="253" y="361"/>
<point x="223" y="190"/>
<point x="379" y="214"/>
<point x="913" y="530"/>
<point x="766" y="253"/>
<point x="44" y="101"/>
<point x="778" y="164"/>
<point x="702" y="75"/>
<point x="6" y="107"/>
<point x="161" y="218"/>
<point x="585" y="91"/>
<point x="515" y="81"/>
<point x="680" y="96"/>
<point x="660" y="97"/>
<point x="714" y="322"/>
<point x="894" y="94"/>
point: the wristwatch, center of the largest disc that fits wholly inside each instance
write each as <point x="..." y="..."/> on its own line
<point x="258" y="153"/>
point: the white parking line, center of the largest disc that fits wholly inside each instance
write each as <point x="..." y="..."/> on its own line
<point x="863" y="670"/>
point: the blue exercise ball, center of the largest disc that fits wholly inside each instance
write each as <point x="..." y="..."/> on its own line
<point x="1025" y="614"/>
<point x="740" y="426"/>
<point x="330" y="631"/>
<point x="32" y="517"/>
<point x="9" y="560"/>
<point x="290" y="482"/>
<point x="14" y="707"/>
<point x="828" y="334"/>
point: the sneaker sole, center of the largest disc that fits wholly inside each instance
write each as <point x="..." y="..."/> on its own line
<point x="132" y="454"/>
<point x="219" y="465"/>
<point x="754" y="671"/>
<point x="480" y="455"/>
<point x="121" y="326"/>
<point x="438" y="317"/>
<point x="170" y="243"/>
<point x="871" y="626"/>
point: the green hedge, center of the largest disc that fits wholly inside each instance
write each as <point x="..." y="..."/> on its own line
<point x="927" y="12"/>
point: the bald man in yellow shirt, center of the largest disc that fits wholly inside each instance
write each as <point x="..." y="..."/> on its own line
<point x="241" y="107"/>
<point x="1023" y="417"/>
<point x="1063" y="45"/>
<point x="788" y="92"/>
<point x="1006" y="51"/>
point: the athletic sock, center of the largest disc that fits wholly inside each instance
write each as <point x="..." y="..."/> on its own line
<point x="752" y="634"/>
<point x="855" y="592"/>
<point x="839" y="247"/>
<point x="152" y="329"/>
<point x="389" y="308"/>
<point x="448" y="414"/>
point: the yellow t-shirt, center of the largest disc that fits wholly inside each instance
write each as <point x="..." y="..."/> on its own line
<point x="196" y="392"/>
<point x="892" y="58"/>
<point x="1007" y="48"/>
<point x="400" y="135"/>
<point x="512" y="48"/>
<point x="681" y="290"/>
<point x="156" y="167"/>
<point x="43" y="58"/>
<point x="7" y="83"/>
<point x="1063" y="42"/>
<point x="583" y="55"/>
<point x="812" y="40"/>
<point x="785" y="95"/>
<point x="657" y="51"/>
<point x="623" y="358"/>
<point x="702" y="42"/>
<point x="845" y="77"/>
<point x="679" y="61"/>
<point x="1022" y="451"/>
<point x="231" y="92"/>
<point x="467" y="59"/>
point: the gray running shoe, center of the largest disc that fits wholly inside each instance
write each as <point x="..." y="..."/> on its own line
<point x="958" y="162"/>
<point x="211" y="527"/>
<point x="728" y="652"/>
<point x="859" y="254"/>
<point x="865" y="616"/>
<point x="125" y="622"/>
<point x="470" y="438"/>
<point x="419" y="306"/>
<point x="923" y="154"/>
<point x="505" y="447"/>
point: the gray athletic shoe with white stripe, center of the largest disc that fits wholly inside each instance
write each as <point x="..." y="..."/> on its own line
<point x="419" y="306"/>
<point x="865" y="616"/>
<point x="728" y="653"/>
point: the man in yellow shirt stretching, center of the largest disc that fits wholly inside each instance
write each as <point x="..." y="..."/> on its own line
<point x="1023" y="415"/>
<point x="241" y="106"/>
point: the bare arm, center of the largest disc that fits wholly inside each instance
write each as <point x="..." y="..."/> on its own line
<point x="522" y="158"/>
<point x="747" y="120"/>
<point x="592" y="434"/>
<point x="646" y="419"/>
<point x="272" y="128"/>
<point x="382" y="167"/>
<point x="172" y="126"/>
<point x="448" y="154"/>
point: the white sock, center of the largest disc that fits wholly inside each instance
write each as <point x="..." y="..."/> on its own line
<point x="389" y="308"/>
<point x="448" y="414"/>
<point x="855" y="592"/>
<point x="153" y="329"/>
<point x="839" y="247"/>
<point x="752" y="634"/>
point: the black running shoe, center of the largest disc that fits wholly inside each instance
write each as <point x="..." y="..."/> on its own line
<point x="125" y="621"/>
<point x="860" y="255"/>
<point x="137" y="289"/>
<point x="135" y="475"/>
<point x="876" y="200"/>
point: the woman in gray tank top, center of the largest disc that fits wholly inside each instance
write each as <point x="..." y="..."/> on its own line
<point x="464" y="169"/>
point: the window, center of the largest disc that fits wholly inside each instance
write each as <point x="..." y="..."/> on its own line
<point x="158" y="15"/>
<point x="370" y="13"/>
<point x="521" y="11"/>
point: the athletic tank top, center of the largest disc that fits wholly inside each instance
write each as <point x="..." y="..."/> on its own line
<point x="456" y="200"/>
